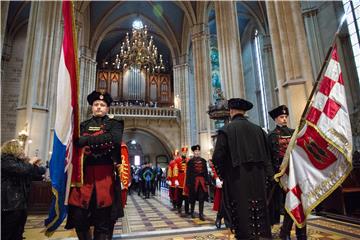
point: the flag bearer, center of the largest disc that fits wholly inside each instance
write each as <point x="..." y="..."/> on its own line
<point x="93" y="202"/>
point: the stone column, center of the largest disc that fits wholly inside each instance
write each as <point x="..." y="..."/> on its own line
<point x="202" y="69"/>
<point x="316" y="49"/>
<point x="181" y="94"/>
<point x="87" y="69"/>
<point x="269" y="73"/>
<point x="39" y="76"/>
<point x="291" y="56"/>
<point x="4" y="14"/>
<point x="230" y="61"/>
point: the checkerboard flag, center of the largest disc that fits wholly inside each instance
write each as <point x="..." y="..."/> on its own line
<point x="318" y="158"/>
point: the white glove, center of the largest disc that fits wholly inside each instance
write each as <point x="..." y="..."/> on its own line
<point x="219" y="183"/>
<point x="129" y="184"/>
<point x="176" y="183"/>
<point x="122" y="185"/>
<point x="168" y="182"/>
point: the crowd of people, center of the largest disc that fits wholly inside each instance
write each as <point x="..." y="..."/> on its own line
<point x="135" y="103"/>
<point x="242" y="168"/>
<point x="146" y="180"/>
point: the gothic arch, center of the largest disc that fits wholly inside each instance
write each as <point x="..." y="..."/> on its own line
<point x="167" y="144"/>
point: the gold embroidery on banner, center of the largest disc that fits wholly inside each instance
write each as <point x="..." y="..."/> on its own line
<point x="341" y="138"/>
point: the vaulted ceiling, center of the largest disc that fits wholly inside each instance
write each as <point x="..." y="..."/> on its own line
<point x="109" y="21"/>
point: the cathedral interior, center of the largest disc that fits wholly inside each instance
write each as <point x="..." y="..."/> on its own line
<point x="195" y="55"/>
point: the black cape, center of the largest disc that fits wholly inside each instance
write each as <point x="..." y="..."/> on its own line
<point x="242" y="159"/>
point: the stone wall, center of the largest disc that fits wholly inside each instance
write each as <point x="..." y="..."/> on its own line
<point x="13" y="57"/>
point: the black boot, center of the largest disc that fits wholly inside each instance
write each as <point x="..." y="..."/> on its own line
<point x="83" y="235"/>
<point x="227" y="223"/>
<point x="111" y="231"/>
<point x="286" y="227"/>
<point x="187" y="207"/>
<point x="192" y="210"/>
<point x="218" y="220"/>
<point x="101" y="236"/>
<point x="301" y="233"/>
<point x="201" y="211"/>
<point x="179" y="206"/>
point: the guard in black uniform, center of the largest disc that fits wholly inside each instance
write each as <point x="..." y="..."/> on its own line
<point x="279" y="140"/>
<point x="96" y="202"/>
<point x="242" y="160"/>
<point x="197" y="181"/>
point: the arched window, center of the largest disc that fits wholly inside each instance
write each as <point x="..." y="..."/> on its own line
<point x="352" y="13"/>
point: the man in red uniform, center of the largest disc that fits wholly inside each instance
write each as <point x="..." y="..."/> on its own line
<point x="217" y="196"/>
<point x="197" y="181"/>
<point x="170" y="180"/>
<point x="180" y="176"/>
<point x="93" y="201"/>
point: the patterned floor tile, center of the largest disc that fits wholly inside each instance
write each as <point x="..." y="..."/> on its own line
<point x="154" y="219"/>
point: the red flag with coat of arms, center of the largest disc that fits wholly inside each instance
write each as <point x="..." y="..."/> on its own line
<point x="318" y="158"/>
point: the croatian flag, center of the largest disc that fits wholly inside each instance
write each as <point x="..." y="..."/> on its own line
<point x="65" y="162"/>
<point x="319" y="157"/>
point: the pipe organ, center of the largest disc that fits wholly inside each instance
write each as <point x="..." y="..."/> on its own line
<point x="135" y="85"/>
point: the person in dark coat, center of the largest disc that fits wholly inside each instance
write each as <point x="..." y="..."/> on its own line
<point x="17" y="172"/>
<point x="148" y="176"/>
<point x="197" y="181"/>
<point x="278" y="140"/>
<point x="242" y="160"/>
<point x="93" y="203"/>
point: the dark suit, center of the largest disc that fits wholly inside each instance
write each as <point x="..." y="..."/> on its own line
<point x="242" y="160"/>
<point x="278" y="140"/>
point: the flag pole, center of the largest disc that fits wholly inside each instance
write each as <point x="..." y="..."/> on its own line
<point x="285" y="161"/>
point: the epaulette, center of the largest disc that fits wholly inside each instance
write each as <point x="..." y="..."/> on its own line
<point x="113" y="118"/>
<point x="272" y="133"/>
<point x="86" y="121"/>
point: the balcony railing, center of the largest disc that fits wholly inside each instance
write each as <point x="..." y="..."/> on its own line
<point x="145" y="112"/>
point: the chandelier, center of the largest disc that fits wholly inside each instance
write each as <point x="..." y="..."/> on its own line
<point x="139" y="51"/>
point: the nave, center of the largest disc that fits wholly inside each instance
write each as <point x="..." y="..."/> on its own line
<point x="153" y="218"/>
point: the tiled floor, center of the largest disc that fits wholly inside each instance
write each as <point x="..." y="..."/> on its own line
<point x="153" y="219"/>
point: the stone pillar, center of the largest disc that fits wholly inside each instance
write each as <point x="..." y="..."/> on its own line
<point x="202" y="69"/>
<point x="269" y="73"/>
<point x="316" y="49"/>
<point x="291" y="56"/>
<point x="87" y="81"/>
<point x="39" y="76"/>
<point x="230" y="61"/>
<point x="181" y="94"/>
<point x="4" y="14"/>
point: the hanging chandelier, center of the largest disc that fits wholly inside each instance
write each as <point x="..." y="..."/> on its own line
<point x="139" y="51"/>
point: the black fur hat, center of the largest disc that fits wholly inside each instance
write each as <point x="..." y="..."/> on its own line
<point x="92" y="97"/>
<point x="280" y="110"/>
<point x="195" y="147"/>
<point x="239" y="103"/>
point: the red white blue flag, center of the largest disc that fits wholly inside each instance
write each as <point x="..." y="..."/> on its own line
<point x="65" y="162"/>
